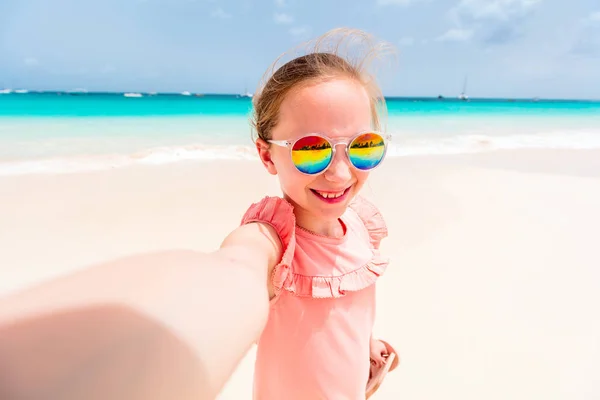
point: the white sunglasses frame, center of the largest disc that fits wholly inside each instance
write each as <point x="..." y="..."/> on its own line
<point x="334" y="143"/>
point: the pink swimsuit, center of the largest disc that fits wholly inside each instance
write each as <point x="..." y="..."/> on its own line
<point x="316" y="341"/>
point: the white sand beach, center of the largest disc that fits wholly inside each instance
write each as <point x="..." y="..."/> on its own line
<point x="493" y="291"/>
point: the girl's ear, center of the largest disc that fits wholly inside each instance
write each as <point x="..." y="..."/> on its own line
<point x="264" y="152"/>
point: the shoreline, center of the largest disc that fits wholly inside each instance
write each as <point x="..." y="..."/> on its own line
<point x="541" y="160"/>
<point x="538" y="160"/>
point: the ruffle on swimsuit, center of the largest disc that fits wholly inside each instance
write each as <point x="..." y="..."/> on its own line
<point x="279" y="214"/>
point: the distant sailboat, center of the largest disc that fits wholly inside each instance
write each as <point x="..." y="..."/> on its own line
<point x="246" y="93"/>
<point x="463" y="96"/>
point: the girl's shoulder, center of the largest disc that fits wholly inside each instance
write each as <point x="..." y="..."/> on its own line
<point x="372" y="219"/>
<point x="271" y="210"/>
<point x="277" y="213"/>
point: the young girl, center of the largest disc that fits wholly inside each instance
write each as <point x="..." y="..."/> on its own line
<point x="122" y="329"/>
<point x="318" y="130"/>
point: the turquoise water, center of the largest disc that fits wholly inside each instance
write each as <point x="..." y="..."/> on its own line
<point x="60" y="132"/>
<point x="117" y="105"/>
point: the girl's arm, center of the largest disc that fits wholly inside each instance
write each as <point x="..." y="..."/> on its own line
<point x="168" y="325"/>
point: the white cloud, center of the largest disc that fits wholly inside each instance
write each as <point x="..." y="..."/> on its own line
<point x="496" y="9"/>
<point x="455" y="35"/>
<point x="220" y="13"/>
<point x="282" y="18"/>
<point x="498" y="22"/>
<point x="406" y="41"/>
<point x="31" y="62"/>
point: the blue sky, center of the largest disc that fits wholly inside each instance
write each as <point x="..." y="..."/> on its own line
<point x="508" y="48"/>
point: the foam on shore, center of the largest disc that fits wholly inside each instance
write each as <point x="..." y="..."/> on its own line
<point x="401" y="145"/>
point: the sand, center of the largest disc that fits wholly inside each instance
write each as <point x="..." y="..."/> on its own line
<point x="493" y="291"/>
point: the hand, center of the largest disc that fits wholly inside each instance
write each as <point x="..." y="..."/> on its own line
<point x="378" y="353"/>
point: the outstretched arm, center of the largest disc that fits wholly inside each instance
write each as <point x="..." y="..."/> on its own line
<point x="169" y="325"/>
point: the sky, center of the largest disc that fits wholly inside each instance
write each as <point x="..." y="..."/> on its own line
<point x="505" y="48"/>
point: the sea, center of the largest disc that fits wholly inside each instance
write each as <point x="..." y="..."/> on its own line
<point x="61" y="132"/>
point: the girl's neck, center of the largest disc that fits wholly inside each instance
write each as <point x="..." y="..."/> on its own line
<point x="322" y="227"/>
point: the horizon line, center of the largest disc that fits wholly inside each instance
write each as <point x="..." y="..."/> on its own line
<point x="200" y="94"/>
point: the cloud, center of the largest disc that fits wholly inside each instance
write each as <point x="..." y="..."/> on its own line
<point x="282" y="18"/>
<point x="498" y="21"/>
<point x="500" y="10"/>
<point x="455" y="35"/>
<point x="503" y="33"/>
<point x="220" y="13"/>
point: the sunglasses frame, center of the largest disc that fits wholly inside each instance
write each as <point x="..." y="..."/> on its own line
<point x="334" y="143"/>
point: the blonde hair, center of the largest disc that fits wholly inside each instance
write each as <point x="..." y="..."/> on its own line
<point x="339" y="53"/>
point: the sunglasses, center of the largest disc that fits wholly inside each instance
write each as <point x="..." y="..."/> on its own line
<point x="312" y="154"/>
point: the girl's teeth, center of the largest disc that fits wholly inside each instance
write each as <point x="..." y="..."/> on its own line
<point x="330" y="195"/>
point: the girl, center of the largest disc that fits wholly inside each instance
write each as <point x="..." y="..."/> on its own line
<point x="318" y="130"/>
<point x="122" y="329"/>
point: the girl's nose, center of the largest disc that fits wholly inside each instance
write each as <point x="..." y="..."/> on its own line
<point x="340" y="169"/>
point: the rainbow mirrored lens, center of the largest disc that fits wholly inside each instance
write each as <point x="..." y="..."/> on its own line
<point x="311" y="154"/>
<point x="366" y="151"/>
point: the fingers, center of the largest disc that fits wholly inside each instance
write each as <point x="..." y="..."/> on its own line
<point x="379" y="360"/>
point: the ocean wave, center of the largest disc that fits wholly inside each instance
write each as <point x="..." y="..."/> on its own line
<point x="476" y="143"/>
<point x="401" y="145"/>
<point x="155" y="156"/>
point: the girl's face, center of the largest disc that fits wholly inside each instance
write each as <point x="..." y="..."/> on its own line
<point x="338" y="109"/>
